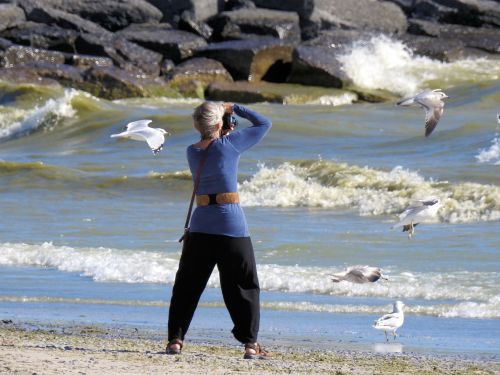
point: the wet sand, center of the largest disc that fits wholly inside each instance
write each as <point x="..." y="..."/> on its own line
<point x="94" y="350"/>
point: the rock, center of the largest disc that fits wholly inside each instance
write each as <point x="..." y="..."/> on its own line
<point x="435" y="48"/>
<point x="166" y="66"/>
<point x="87" y="61"/>
<point x="366" y="15"/>
<point x="110" y="14"/>
<point x="238" y="4"/>
<point x="24" y="75"/>
<point x="317" y="66"/>
<point x="338" y="39"/>
<point x="4" y="44"/>
<point x="188" y="22"/>
<point x="422" y="27"/>
<point x="465" y="12"/>
<point x="10" y="16"/>
<point x="125" y="54"/>
<point x="42" y="36"/>
<point x="250" y="59"/>
<point x="481" y="38"/>
<point x="193" y="76"/>
<point x="245" y="92"/>
<point x="173" y="44"/>
<point x="303" y="8"/>
<point x="152" y="27"/>
<point x="201" y="9"/>
<point x="114" y="83"/>
<point x="66" y="75"/>
<point x="406" y="5"/>
<point x="249" y="23"/>
<point x="20" y="55"/>
<point x="47" y="15"/>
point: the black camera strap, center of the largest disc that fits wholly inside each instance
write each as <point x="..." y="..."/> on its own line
<point x="195" y="187"/>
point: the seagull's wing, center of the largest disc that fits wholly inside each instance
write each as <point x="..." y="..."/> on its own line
<point x="432" y="116"/>
<point x="154" y="138"/>
<point x="137" y="125"/>
<point x="355" y="276"/>
<point x="391" y="320"/>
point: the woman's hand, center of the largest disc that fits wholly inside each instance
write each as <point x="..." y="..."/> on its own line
<point x="228" y="107"/>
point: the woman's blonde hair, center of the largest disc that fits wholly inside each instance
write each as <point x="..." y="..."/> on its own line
<point x="206" y="117"/>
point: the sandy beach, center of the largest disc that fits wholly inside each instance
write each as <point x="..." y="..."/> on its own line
<point x="94" y="350"/>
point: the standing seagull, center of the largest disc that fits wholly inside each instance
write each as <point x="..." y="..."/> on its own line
<point x="359" y="275"/>
<point x="419" y="211"/>
<point x="432" y="103"/>
<point x="140" y="131"/>
<point x="391" y="322"/>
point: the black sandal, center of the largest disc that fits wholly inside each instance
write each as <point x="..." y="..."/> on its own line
<point x="260" y="353"/>
<point x="171" y="350"/>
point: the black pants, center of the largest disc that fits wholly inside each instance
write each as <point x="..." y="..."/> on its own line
<point x="235" y="260"/>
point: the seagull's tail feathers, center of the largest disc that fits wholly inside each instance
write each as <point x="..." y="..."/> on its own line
<point x="406" y="101"/>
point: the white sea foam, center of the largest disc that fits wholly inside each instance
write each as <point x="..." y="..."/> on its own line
<point x="16" y="121"/>
<point x="384" y="63"/>
<point x="475" y="294"/>
<point x="335" y="100"/>
<point x="369" y="191"/>
<point x="492" y="154"/>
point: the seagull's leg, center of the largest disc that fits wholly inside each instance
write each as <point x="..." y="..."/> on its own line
<point x="411" y="231"/>
<point x="386" y="338"/>
<point x="394" y="334"/>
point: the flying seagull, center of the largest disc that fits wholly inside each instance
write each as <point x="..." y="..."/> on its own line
<point x="432" y="103"/>
<point x="420" y="210"/>
<point x="140" y="131"/>
<point x="359" y="275"/>
<point x="391" y="322"/>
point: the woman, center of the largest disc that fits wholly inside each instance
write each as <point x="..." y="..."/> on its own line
<point x="218" y="233"/>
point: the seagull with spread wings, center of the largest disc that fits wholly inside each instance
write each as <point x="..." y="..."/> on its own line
<point x="432" y="103"/>
<point x="391" y="322"/>
<point x="140" y="131"/>
<point x="421" y="210"/>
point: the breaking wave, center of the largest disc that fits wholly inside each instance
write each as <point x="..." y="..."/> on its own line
<point x="394" y="67"/>
<point x="467" y="294"/>
<point x="370" y="191"/>
<point x="492" y="154"/>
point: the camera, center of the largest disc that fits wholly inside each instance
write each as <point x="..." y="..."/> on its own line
<point x="228" y="121"/>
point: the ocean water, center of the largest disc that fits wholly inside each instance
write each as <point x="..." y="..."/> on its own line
<point x="89" y="225"/>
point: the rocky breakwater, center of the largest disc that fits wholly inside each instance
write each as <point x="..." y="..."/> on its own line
<point x="260" y="50"/>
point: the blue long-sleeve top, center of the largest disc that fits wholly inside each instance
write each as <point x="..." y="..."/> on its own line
<point x="220" y="175"/>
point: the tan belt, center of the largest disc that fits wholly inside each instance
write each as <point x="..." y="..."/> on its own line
<point x="221" y="198"/>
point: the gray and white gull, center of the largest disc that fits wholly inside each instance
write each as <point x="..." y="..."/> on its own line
<point x="392" y="321"/>
<point x="432" y="103"/>
<point x="420" y="211"/>
<point x="140" y="131"/>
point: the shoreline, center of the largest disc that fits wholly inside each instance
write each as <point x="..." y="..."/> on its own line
<point x="102" y="350"/>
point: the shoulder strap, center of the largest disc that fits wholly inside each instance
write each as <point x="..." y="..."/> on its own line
<point x="195" y="187"/>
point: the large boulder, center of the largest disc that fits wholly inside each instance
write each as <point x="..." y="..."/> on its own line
<point x="125" y="54"/>
<point x="176" y="45"/>
<point x="10" y="16"/>
<point x="367" y="15"/>
<point x="317" y="66"/>
<point x="110" y="14"/>
<point x="188" y="22"/>
<point x="66" y="75"/>
<point x="251" y="23"/>
<point x="20" y="56"/>
<point x="193" y="76"/>
<point x="482" y="38"/>
<point x="200" y="9"/>
<point x="114" y="83"/>
<point x="42" y="36"/>
<point x="25" y="75"/>
<point x="250" y="60"/>
<point x="88" y="61"/>
<point x="465" y="12"/>
<point x="46" y="15"/>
